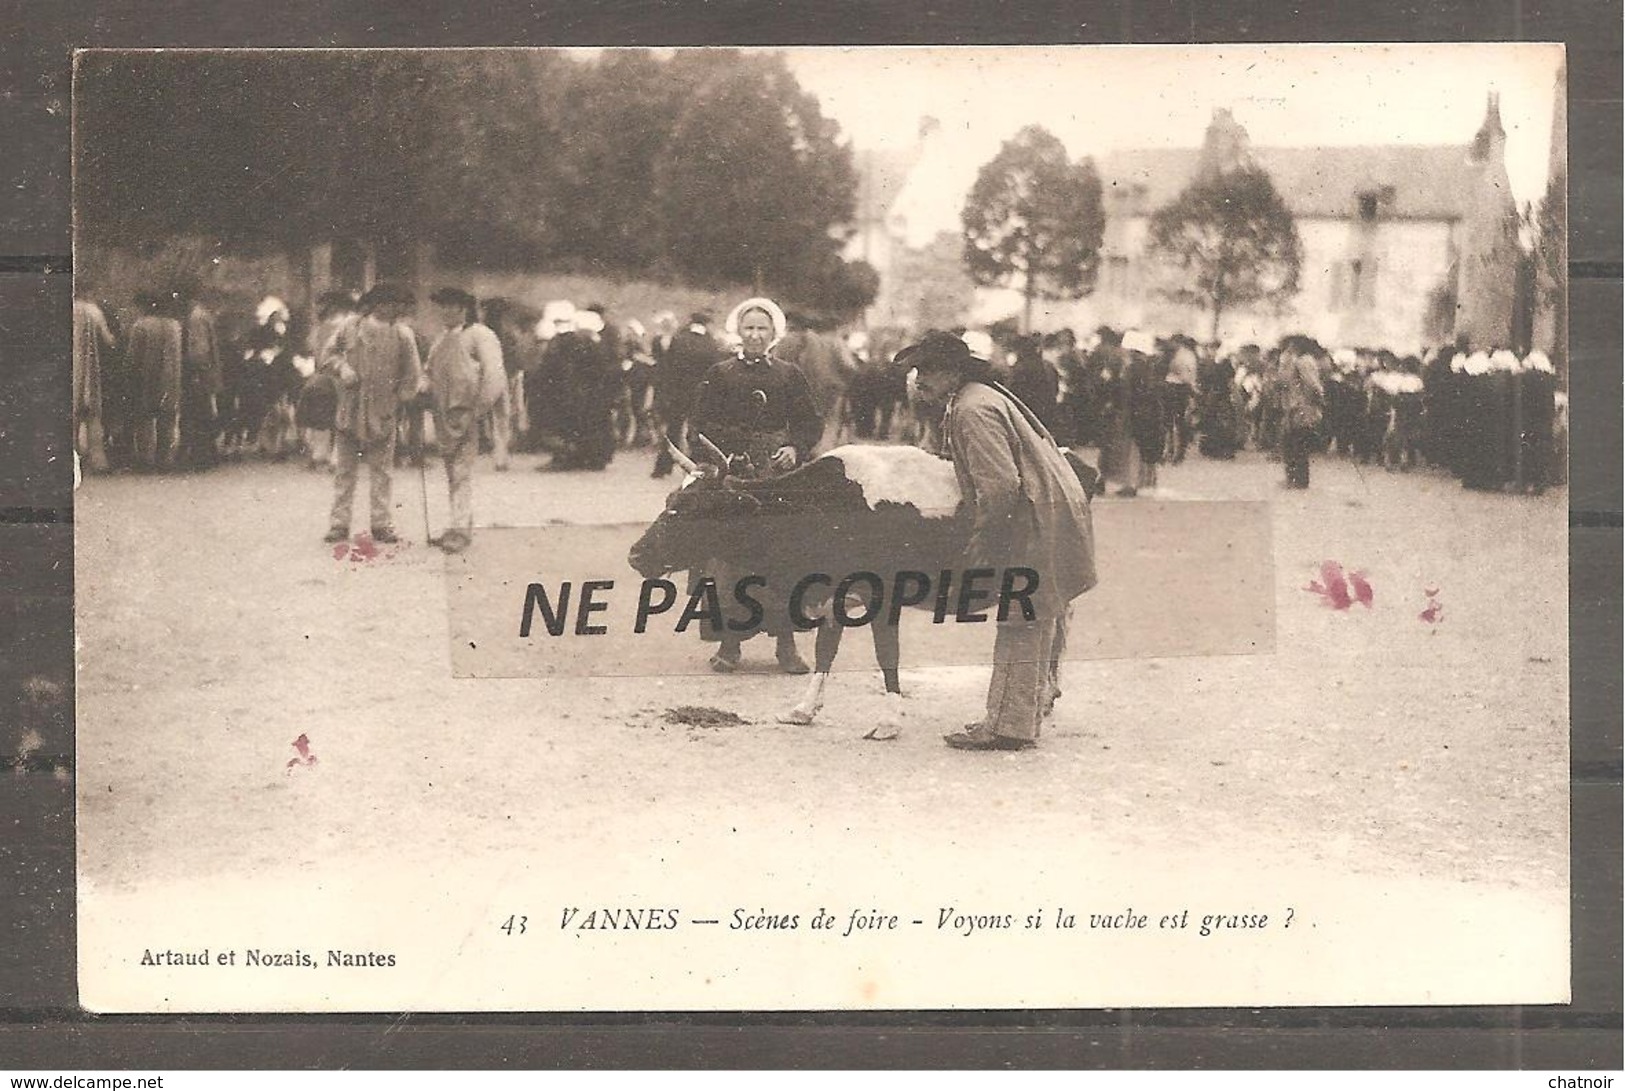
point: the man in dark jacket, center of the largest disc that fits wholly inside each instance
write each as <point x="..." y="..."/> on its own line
<point x="201" y="383"/>
<point x="679" y="367"/>
<point x="592" y="379"/>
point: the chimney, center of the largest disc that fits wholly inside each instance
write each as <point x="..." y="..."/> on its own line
<point x="1489" y="145"/>
<point x="1225" y="146"/>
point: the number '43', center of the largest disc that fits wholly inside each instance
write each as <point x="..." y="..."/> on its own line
<point x="514" y="924"/>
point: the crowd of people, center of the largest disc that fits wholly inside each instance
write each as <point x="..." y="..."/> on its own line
<point x="1492" y="419"/>
<point x="182" y="388"/>
<point x="178" y="382"/>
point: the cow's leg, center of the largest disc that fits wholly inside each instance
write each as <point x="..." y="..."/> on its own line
<point x="890" y="723"/>
<point x="812" y="699"/>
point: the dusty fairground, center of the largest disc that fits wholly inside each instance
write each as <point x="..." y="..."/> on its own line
<point x="1389" y="785"/>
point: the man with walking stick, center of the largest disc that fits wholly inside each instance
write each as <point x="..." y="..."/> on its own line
<point x="375" y="358"/>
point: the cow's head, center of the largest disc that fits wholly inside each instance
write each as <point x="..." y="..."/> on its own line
<point x="700" y="521"/>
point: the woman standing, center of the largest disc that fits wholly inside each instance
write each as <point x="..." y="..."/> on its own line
<point x="756" y="408"/>
<point x="1145" y="424"/>
<point x="757" y="411"/>
<point x="1119" y="457"/>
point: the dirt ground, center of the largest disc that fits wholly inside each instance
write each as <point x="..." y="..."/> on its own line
<point x="1376" y="748"/>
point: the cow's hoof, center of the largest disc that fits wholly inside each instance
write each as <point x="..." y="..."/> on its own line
<point x="889" y="724"/>
<point x="798" y="716"/>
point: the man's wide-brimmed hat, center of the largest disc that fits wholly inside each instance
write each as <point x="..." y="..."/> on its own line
<point x="938" y="350"/>
<point x="452" y="297"/>
<point x="384" y="294"/>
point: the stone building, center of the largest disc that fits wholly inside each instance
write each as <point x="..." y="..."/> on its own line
<point x="1404" y="246"/>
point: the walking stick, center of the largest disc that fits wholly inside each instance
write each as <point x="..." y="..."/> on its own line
<point x="423" y="480"/>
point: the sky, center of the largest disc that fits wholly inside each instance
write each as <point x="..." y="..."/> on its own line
<point x="1097" y="99"/>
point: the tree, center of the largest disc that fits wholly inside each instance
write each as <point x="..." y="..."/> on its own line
<point x="1034" y="220"/>
<point x="826" y="285"/>
<point x="710" y="164"/>
<point x="1230" y="239"/>
<point x="751" y="178"/>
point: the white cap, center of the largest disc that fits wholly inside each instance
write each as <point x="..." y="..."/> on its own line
<point x="271" y="307"/>
<point x="1539" y="361"/>
<point x="1139" y="341"/>
<point x="555" y="313"/>
<point x="1504" y="360"/>
<point x="775" y="315"/>
<point x="1477" y="364"/>
<point x="980" y="343"/>
<point x="589" y="322"/>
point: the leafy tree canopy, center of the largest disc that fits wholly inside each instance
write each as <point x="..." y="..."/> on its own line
<point x="1228" y="240"/>
<point x="1034" y="220"/>
<point x="712" y="165"/>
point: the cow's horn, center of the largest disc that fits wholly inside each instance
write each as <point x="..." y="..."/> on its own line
<point x="681" y="459"/>
<point x="722" y="459"/>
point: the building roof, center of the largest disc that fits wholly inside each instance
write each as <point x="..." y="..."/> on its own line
<point x="1413" y="181"/>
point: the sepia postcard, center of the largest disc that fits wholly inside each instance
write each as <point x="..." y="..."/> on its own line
<point x="821" y="528"/>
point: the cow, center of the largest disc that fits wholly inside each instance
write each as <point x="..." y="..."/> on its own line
<point x="884" y="527"/>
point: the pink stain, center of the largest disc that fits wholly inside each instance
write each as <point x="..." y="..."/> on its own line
<point x="1332" y="588"/>
<point x="362" y="550"/>
<point x="301" y="746"/>
<point x="1435" y="609"/>
<point x="1362" y="589"/>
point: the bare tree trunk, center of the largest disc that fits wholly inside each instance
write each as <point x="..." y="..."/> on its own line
<point x="423" y="268"/>
<point x="1027" y="293"/>
<point x="1218" y="309"/>
<point x="318" y="277"/>
<point x="369" y="265"/>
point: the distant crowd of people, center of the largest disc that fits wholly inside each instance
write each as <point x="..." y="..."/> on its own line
<point x="1494" y="420"/>
<point x="178" y="386"/>
<point x="179" y="382"/>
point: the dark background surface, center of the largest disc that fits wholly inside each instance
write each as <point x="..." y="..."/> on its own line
<point x="41" y="1025"/>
